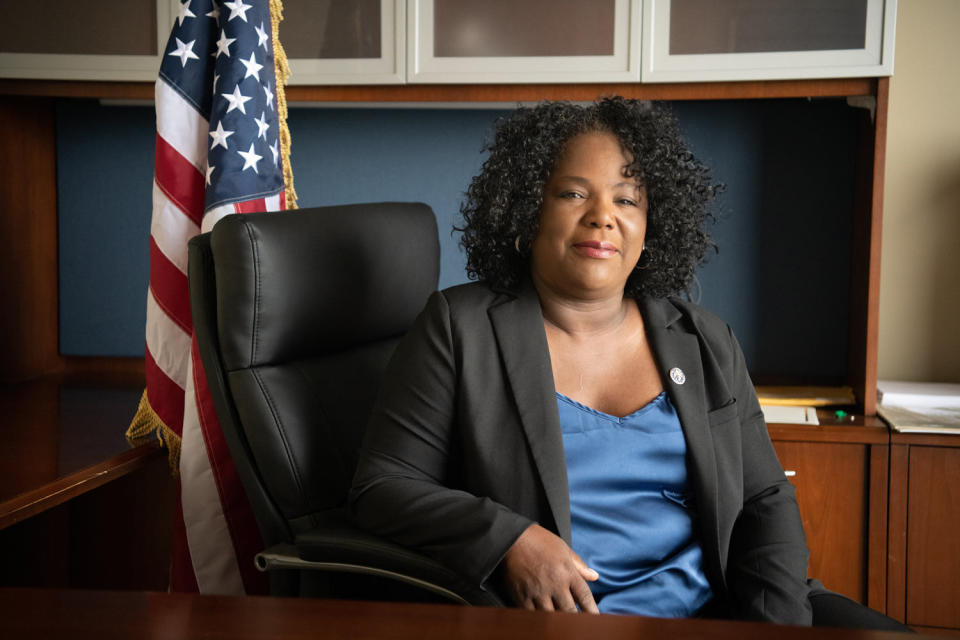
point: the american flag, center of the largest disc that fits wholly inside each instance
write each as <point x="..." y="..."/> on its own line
<point x="218" y="152"/>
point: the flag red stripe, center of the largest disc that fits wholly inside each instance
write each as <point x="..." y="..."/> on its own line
<point x="170" y="289"/>
<point x="241" y="522"/>
<point x="165" y="395"/>
<point x="283" y="200"/>
<point x="180" y="180"/>
<point x="182" y="578"/>
<point x="251" y="206"/>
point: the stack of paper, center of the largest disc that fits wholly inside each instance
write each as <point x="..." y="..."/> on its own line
<point x="805" y="396"/>
<point x="920" y="407"/>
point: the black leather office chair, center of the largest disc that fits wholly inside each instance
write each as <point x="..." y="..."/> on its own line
<point x="296" y="315"/>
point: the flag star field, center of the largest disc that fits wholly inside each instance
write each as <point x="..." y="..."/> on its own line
<point x="215" y="60"/>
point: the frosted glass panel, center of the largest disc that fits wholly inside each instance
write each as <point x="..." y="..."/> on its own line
<point x="760" y="26"/>
<point x="80" y="27"/>
<point x="495" y="28"/>
<point x="319" y="29"/>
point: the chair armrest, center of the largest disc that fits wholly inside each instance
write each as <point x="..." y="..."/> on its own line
<point x="339" y="545"/>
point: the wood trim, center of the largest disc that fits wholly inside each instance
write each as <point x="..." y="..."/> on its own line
<point x="103" y="369"/>
<point x="816" y="433"/>
<point x="55" y="493"/>
<point x="482" y="92"/>
<point x="897" y="532"/>
<point x="862" y="333"/>
<point x="859" y="269"/>
<point x="877" y="528"/>
<point x="536" y="92"/>
<point x="77" y="89"/>
<point x="28" y="224"/>
<point x="875" y="228"/>
<point x="926" y="439"/>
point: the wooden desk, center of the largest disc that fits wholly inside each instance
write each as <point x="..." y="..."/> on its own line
<point x="79" y="505"/>
<point x="64" y="436"/>
<point x="48" y="613"/>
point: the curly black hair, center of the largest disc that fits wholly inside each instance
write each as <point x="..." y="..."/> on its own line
<point x="503" y="202"/>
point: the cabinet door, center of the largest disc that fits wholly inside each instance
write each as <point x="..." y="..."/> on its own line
<point x="933" y="519"/>
<point x="832" y="483"/>
<point x="454" y="41"/>
<point x="84" y="39"/>
<point x="334" y="42"/>
<point x="698" y="40"/>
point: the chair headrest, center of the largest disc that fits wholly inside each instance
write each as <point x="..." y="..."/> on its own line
<point x="314" y="281"/>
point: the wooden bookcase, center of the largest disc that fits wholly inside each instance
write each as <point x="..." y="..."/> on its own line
<point x="28" y="115"/>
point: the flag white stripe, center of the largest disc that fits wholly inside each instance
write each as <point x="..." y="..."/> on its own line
<point x="273" y="202"/>
<point x="213" y="216"/>
<point x="167" y="342"/>
<point x="181" y="125"/>
<point x="208" y="536"/>
<point x="171" y="229"/>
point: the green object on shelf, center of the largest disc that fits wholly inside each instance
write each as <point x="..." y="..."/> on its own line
<point x="840" y="413"/>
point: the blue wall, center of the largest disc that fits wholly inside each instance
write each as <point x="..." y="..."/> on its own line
<point x="104" y="187"/>
<point x="343" y="156"/>
<point x="783" y="225"/>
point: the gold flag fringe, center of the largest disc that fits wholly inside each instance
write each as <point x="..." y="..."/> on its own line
<point x="146" y="422"/>
<point x="282" y="71"/>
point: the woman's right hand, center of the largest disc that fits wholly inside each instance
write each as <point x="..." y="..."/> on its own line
<point x="541" y="572"/>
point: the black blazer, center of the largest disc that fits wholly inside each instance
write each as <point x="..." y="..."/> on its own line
<point x="464" y="447"/>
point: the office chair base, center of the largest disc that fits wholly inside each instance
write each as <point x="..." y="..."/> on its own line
<point x="284" y="557"/>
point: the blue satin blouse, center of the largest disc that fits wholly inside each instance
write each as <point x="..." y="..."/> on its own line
<point x="630" y="508"/>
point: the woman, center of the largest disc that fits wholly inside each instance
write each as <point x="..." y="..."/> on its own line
<point x="565" y="429"/>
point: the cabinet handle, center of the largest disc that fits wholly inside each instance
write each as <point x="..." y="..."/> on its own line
<point x="789" y="473"/>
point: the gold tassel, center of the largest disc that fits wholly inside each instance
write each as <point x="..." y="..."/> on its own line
<point x="282" y="70"/>
<point x="147" y="422"/>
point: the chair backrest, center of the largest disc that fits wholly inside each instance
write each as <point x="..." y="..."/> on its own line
<point x="296" y="315"/>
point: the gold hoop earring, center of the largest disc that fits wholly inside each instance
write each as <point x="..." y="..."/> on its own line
<point x="516" y="244"/>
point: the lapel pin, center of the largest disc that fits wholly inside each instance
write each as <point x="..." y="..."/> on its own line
<point x="676" y="374"/>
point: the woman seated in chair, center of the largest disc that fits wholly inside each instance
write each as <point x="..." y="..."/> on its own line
<point x="566" y="429"/>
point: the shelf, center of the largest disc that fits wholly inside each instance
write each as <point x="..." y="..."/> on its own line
<point x="843" y="87"/>
<point x="853" y="428"/>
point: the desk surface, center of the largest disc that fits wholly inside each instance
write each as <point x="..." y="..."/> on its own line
<point x="48" y="613"/>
